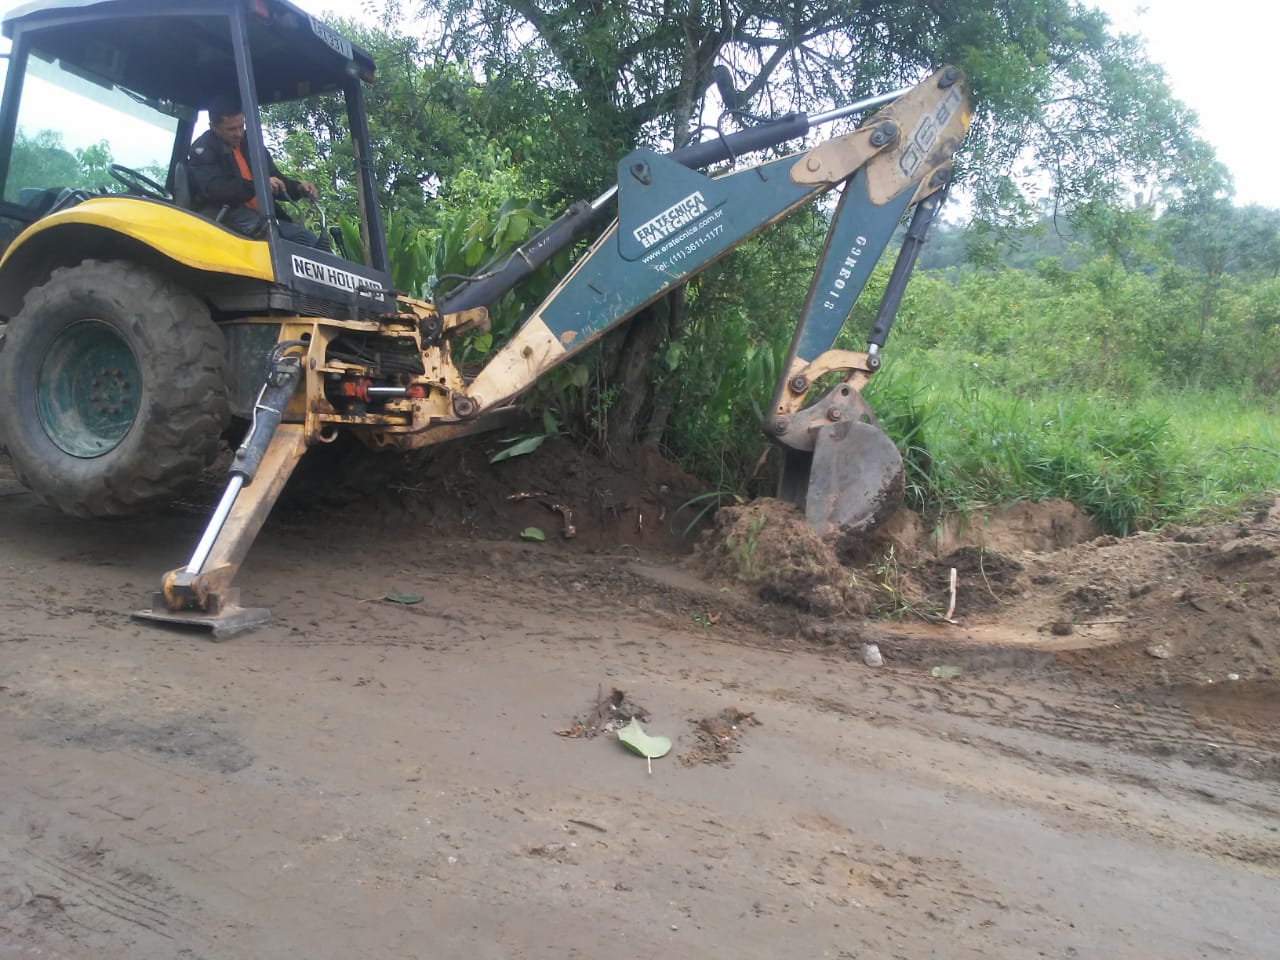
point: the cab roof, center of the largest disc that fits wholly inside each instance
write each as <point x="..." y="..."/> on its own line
<point x="180" y="50"/>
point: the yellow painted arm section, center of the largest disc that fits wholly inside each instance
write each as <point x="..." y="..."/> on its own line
<point x="172" y="231"/>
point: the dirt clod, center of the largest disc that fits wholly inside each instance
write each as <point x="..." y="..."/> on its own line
<point x="718" y="736"/>
<point x="768" y="545"/>
<point x="606" y="714"/>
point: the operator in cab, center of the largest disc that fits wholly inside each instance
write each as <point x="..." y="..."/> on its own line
<point x="221" y="177"/>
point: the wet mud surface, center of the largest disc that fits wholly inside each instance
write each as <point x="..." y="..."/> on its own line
<point x="368" y="778"/>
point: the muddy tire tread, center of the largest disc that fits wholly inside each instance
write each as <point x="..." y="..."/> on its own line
<point x="181" y="420"/>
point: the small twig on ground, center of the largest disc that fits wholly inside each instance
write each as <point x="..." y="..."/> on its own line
<point x="982" y="569"/>
<point x="1090" y="623"/>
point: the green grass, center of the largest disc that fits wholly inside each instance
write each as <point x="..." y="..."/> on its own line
<point x="1131" y="464"/>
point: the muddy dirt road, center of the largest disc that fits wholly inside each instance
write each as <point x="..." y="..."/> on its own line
<point x="370" y="779"/>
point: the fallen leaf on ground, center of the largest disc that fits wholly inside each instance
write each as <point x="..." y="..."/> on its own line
<point x="636" y="740"/>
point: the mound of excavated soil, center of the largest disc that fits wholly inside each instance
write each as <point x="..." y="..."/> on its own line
<point x="767" y="545"/>
<point x="1188" y="617"/>
<point x="1181" y="610"/>
<point x="1185" y="606"/>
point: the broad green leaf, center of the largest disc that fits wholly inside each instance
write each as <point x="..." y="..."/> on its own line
<point x="518" y="449"/>
<point x="633" y="737"/>
<point x="399" y="596"/>
<point x="533" y="533"/>
<point x="517" y="229"/>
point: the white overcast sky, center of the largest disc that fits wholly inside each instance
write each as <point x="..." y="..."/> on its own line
<point x="1218" y="56"/>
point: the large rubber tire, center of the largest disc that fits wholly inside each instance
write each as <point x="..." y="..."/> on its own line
<point x="112" y="388"/>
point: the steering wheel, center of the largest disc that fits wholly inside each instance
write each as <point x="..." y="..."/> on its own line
<point x="138" y="183"/>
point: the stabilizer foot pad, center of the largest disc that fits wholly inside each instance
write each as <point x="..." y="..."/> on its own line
<point x="231" y="620"/>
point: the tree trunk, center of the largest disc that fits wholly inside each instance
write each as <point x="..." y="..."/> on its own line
<point x="631" y="375"/>
<point x="677" y="320"/>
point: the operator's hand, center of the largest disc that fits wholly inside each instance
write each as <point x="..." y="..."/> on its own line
<point x="309" y="190"/>
<point x="278" y="188"/>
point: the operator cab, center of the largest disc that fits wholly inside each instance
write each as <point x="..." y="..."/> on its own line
<point x="103" y="98"/>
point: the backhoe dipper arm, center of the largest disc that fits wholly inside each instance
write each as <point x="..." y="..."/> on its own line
<point x="674" y="221"/>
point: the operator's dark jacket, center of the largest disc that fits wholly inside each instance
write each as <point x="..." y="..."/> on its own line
<point x="216" y="181"/>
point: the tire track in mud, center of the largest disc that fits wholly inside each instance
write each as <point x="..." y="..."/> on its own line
<point x="1077" y="716"/>
<point x="81" y="878"/>
<point x="1255" y="802"/>
<point x="1159" y="731"/>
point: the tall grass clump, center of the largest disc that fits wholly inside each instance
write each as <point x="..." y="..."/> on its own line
<point x="1132" y="465"/>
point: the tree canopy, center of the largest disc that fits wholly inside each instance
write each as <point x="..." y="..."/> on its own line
<point x="1067" y="112"/>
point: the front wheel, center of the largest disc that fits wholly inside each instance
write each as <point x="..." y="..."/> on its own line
<point x="112" y="388"/>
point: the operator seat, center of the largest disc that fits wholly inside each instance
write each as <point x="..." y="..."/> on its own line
<point x="182" y="186"/>
<point x="182" y="195"/>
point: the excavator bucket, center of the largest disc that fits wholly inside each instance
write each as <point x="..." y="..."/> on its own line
<point x="853" y="479"/>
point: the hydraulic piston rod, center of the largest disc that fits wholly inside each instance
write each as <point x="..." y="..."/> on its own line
<point x="283" y="379"/>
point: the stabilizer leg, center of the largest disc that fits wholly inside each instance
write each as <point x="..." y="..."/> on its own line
<point x="200" y="594"/>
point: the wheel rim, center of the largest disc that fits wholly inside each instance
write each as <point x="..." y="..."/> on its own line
<point x="88" y="389"/>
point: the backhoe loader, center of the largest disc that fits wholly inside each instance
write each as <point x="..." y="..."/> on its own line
<point x="137" y="329"/>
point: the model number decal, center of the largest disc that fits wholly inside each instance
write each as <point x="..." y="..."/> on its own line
<point x="846" y="271"/>
<point x="335" y="40"/>
<point x="926" y="133"/>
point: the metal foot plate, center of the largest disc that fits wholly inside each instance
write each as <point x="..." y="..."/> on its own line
<point x="228" y="621"/>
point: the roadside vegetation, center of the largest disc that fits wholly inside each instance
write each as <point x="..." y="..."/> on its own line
<point x="1075" y="377"/>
